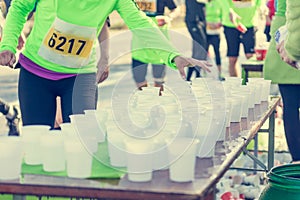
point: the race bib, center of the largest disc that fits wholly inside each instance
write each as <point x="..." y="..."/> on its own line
<point x="243" y="3"/>
<point x="147" y="5"/>
<point x="68" y="44"/>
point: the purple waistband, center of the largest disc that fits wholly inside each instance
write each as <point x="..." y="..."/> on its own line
<point x="38" y="70"/>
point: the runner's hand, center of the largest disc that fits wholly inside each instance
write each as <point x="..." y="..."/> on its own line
<point x="7" y="58"/>
<point x="103" y="71"/>
<point x="283" y="54"/>
<point x="182" y="62"/>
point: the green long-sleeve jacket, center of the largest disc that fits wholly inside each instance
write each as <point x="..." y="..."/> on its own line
<point x="292" y="43"/>
<point x="274" y="68"/>
<point x="81" y="22"/>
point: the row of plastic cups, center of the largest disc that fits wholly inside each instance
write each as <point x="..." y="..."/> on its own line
<point x="141" y="156"/>
<point x="265" y="86"/>
<point x="34" y="146"/>
<point x="56" y="151"/>
<point x="174" y="155"/>
<point x="70" y="155"/>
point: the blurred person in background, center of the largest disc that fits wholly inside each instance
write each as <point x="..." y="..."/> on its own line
<point x="280" y="67"/>
<point x="12" y="116"/>
<point x="195" y="22"/>
<point x="270" y="14"/>
<point x="241" y="30"/>
<point x="213" y="30"/>
<point x="156" y="10"/>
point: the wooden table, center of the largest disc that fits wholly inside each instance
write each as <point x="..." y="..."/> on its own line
<point x="207" y="174"/>
<point x="251" y="65"/>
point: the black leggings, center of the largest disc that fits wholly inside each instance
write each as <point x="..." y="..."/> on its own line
<point x="214" y="40"/>
<point x="4" y="107"/>
<point x="139" y="71"/>
<point x="37" y="97"/>
<point x="291" y="102"/>
<point x="198" y="34"/>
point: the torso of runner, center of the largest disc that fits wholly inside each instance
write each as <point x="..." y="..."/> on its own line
<point x="243" y="3"/>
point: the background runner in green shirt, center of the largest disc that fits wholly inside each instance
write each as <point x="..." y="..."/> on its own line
<point x="247" y="10"/>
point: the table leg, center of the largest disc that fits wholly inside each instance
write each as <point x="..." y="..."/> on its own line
<point x="255" y="151"/>
<point x="271" y="141"/>
<point x="245" y="75"/>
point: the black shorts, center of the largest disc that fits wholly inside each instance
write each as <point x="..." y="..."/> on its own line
<point x="235" y="37"/>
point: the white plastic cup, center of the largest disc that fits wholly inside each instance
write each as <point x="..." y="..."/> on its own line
<point x="139" y="160"/>
<point x="182" y="157"/>
<point x="236" y="108"/>
<point x="86" y="130"/>
<point x="116" y="146"/>
<point x="96" y="126"/>
<point x="31" y="135"/>
<point x="11" y="154"/>
<point x="78" y="160"/>
<point x="52" y="145"/>
<point x="160" y="155"/>
<point x="69" y="131"/>
<point x="206" y="146"/>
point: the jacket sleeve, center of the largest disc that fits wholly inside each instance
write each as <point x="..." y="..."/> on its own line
<point x="15" y="21"/>
<point x="150" y="37"/>
<point x="292" y="43"/>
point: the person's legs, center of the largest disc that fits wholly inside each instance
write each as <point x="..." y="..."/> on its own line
<point x="267" y="32"/>
<point x="4" y="107"/>
<point x="139" y="72"/>
<point x="37" y="99"/>
<point x="190" y="73"/>
<point x="233" y="47"/>
<point x="13" y="117"/>
<point x="159" y="73"/>
<point x="58" y="116"/>
<point x="232" y="66"/>
<point x="78" y="95"/>
<point x="248" y="40"/>
<point x="291" y="100"/>
<point x="199" y="45"/>
<point x="214" y="40"/>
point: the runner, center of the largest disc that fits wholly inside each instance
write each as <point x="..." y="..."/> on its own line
<point x="195" y="22"/>
<point x="156" y="10"/>
<point x="59" y="56"/>
<point x="242" y="31"/>
<point x="213" y="30"/>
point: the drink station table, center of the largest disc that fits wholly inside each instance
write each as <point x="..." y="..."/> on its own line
<point x="207" y="174"/>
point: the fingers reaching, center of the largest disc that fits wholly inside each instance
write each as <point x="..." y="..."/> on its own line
<point x="7" y="58"/>
<point x="12" y="61"/>
<point x="102" y="74"/>
<point x="182" y="62"/>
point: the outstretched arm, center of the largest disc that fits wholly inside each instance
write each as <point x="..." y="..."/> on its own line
<point x="103" y="67"/>
<point x="143" y="27"/>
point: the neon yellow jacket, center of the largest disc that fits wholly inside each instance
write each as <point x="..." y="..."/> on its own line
<point x="275" y="68"/>
<point x="293" y="25"/>
<point x="86" y="13"/>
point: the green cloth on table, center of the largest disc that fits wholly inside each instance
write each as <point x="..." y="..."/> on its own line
<point x="100" y="167"/>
